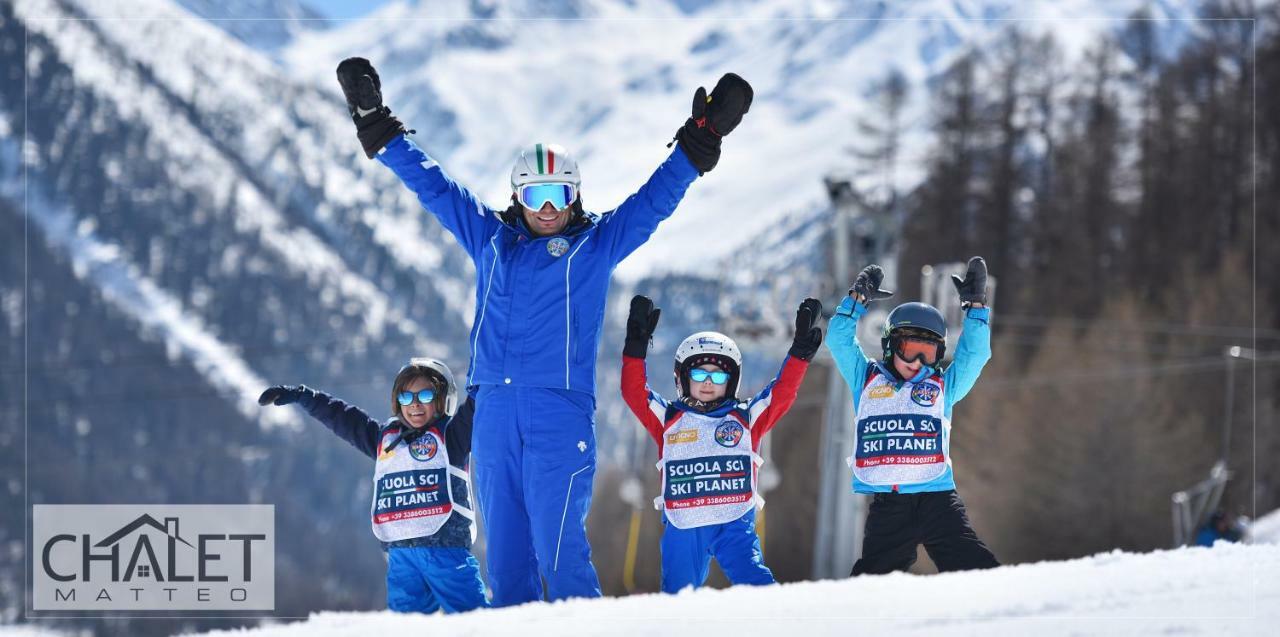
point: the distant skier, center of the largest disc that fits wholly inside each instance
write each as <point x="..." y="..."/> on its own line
<point x="542" y="275"/>
<point x="421" y="501"/>
<point x="708" y="443"/>
<point x="903" y="424"/>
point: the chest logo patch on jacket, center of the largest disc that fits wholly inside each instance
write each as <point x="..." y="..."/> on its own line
<point x="729" y="434"/>
<point x="424" y="448"/>
<point x="558" y="246"/>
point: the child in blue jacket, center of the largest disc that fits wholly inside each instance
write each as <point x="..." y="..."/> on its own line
<point x="421" y="508"/>
<point x="902" y="432"/>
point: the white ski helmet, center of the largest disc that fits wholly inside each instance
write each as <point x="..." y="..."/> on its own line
<point x="542" y="163"/>
<point x="437" y="368"/>
<point x="708" y="347"/>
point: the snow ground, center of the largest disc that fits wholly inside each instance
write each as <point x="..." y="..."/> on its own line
<point x="1266" y="529"/>
<point x="1231" y="589"/>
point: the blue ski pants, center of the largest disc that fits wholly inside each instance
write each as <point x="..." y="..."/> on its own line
<point x="424" y="579"/>
<point x="687" y="553"/>
<point x="534" y="456"/>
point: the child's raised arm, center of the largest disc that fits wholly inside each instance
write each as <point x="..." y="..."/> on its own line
<point x="644" y="403"/>
<point x="767" y="407"/>
<point x="347" y="421"/>
<point x="842" y="337"/>
<point x="974" y="347"/>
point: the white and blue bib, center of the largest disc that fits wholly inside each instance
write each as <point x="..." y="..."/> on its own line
<point x="708" y="470"/>
<point x="412" y="492"/>
<point x="900" y="432"/>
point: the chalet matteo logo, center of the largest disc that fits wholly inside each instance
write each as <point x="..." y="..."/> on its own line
<point x="153" y="557"/>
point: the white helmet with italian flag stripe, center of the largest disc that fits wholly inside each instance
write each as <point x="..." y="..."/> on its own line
<point x="544" y="163"/>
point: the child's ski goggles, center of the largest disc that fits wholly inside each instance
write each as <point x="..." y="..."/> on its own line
<point x="405" y="398"/>
<point x="701" y="375"/>
<point x="559" y="194"/>
<point x="912" y="348"/>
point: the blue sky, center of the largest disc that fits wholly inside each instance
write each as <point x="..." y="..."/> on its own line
<point x="344" y="9"/>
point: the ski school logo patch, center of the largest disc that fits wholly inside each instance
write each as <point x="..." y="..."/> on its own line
<point x="925" y="394"/>
<point x="729" y="434"/>
<point x="558" y="246"/>
<point x="424" y="448"/>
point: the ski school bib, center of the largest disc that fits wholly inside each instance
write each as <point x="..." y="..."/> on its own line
<point x="900" y="433"/>
<point x="708" y="471"/>
<point x="412" y="492"/>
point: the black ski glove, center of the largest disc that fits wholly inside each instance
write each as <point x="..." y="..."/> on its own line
<point x="375" y="125"/>
<point x="867" y="285"/>
<point x="285" y="394"/>
<point x="641" y="322"/>
<point x="973" y="287"/>
<point x="808" y="335"/>
<point x="712" y="118"/>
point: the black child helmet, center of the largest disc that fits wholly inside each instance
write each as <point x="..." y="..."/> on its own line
<point x="914" y="319"/>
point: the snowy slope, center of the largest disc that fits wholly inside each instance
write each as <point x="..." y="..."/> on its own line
<point x="1229" y="589"/>
<point x="612" y="80"/>
<point x="1266" y="529"/>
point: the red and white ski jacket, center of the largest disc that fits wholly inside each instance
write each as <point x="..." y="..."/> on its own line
<point x="759" y="414"/>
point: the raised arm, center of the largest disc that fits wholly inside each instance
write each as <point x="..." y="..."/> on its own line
<point x="974" y="347"/>
<point x="383" y="136"/>
<point x="697" y="152"/>
<point x="347" y="421"/>
<point x="636" y="219"/>
<point x="457" y="208"/>
<point x="842" y="340"/>
<point x="457" y="433"/>
<point x="843" y="337"/>
<point x="767" y="407"/>
<point x="647" y="405"/>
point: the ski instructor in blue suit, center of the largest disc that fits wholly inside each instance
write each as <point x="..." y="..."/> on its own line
<point x="542" y="275"/>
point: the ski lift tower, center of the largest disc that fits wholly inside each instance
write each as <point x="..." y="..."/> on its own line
<point x="861" y="234"/>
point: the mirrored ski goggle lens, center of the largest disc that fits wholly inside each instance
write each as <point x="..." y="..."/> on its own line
<point x="701" y="375"/>
<point x="923" y="350"/>
<point x="534" y="196"/>
<point x="425" y="396"/>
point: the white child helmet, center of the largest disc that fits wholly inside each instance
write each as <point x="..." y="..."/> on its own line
<point x="438" y="368"/>
<point x="708" y="347"/>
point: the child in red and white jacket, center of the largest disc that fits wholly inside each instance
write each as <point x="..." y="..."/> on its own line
<point x="708" y="444"/>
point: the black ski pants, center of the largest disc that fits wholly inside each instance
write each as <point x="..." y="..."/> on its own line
<point x="898" y="522"/>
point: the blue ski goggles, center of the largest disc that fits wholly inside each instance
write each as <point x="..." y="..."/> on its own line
<point x="559" y="194"/>
<point x="405" y="398"/>
<point x="701" y="375"/>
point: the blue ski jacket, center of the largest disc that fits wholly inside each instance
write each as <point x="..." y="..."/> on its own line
<point x="973" y="350"/>
<point x="539" y="300"/>
<point x="363" y="432"/>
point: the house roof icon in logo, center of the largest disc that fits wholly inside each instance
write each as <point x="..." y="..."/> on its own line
<point x="169" y="528"/>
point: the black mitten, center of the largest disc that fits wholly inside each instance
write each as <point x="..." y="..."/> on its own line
<point x="808" y="336"/>
<point x="973" y="287"/>
<point x="712" y="118"/>
<point x="867" y="285"/>
<point x="641" y="322"/>
<point x="375" y="125"/>
<point x="284" y="394"/>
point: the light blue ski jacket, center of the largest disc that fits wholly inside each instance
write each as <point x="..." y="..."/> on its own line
<point x="972" y="353"/>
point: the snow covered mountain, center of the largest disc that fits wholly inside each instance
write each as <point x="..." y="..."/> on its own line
<point x="612" y="80"/>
